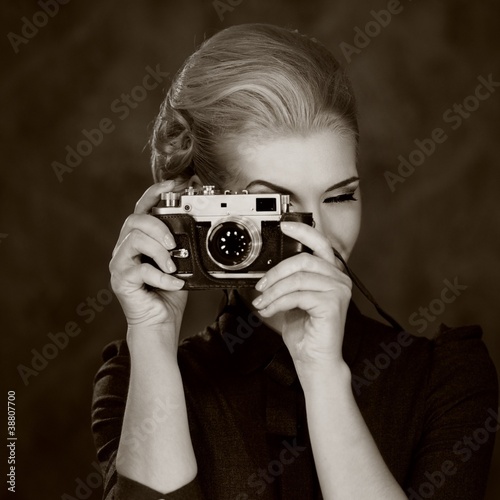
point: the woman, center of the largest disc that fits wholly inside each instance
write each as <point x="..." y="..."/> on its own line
<point x="292" y="393"/>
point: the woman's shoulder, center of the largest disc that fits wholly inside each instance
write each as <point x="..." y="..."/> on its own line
<point x="460" y="359"/>
<point x="442" y="341"/>
<point x="449" y="356"/>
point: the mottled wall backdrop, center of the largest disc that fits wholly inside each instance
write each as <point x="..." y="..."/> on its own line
<point x="429" y="164"/>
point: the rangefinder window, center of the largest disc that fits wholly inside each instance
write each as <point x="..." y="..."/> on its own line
<point x="266" y="204"/>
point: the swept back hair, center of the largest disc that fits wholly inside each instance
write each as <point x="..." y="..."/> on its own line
<point x="254" y="80"/>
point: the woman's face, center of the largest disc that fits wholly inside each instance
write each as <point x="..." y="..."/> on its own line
<point x="319" y="173"/>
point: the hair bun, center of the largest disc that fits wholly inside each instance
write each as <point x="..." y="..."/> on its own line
<point x="172" y="145"/>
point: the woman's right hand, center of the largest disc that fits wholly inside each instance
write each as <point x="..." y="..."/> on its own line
<point x="163" y="306"/>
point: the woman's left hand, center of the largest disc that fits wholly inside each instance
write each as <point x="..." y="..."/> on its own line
<point x="313" y="292"/>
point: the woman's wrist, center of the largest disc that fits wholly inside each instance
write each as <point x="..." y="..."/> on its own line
<point x="157" y="339"/>
<point x="317" y="378"/>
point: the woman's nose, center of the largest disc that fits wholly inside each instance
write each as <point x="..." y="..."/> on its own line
<point x="317" y="223"/>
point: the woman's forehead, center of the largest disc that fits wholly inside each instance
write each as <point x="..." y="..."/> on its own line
<point x="323" y="158"/>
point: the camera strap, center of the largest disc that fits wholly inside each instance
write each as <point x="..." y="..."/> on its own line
<point x="367" y="294"/>
<point x="362" y="288"/>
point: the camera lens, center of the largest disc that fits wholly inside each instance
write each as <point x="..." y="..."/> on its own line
<point x="234" y="243"/>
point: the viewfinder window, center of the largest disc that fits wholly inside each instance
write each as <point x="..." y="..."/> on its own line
<point x="266" y="204"/>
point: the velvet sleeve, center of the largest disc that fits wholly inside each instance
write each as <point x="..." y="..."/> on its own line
<point x="108" y="407"/>
<point x="454" y="455"/>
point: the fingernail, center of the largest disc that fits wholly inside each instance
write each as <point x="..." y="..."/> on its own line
<point x="171" y="266"/>
<point x="169" y="241"/>
<point x="287" y="226"/>
<point x="261" y="284"/>
<point x="257" y="301"/>
<point x="177" y="283"/>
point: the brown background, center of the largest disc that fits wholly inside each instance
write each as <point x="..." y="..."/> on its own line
<point x="441" y="223"/>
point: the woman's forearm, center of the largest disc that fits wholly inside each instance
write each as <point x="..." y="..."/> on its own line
<point x="155" y="445"/>
<point x="348" y="462"/>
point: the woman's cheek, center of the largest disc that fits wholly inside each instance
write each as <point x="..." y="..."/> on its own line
<point x="343" y="228"/>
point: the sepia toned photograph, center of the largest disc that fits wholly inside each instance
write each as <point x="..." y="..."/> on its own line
<point x="249" y="250"/>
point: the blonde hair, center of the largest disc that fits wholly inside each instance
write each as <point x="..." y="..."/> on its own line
<point x="254" y="79"/>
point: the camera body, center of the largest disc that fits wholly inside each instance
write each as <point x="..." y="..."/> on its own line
<point x="229" y="239"/>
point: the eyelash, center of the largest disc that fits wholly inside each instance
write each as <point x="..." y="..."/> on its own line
<point x="342" y="198"/>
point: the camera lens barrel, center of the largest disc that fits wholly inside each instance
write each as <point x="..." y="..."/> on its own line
<point x="233" y="243"/>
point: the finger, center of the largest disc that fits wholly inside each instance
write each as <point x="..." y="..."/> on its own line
<point x="135" y="244"/>
<point x="295" y="264"/>
<point x="149" y="225"/>
<point x="301" y="281"/>
<point x="306" y="301"/>
<point x="310" y="237"/>
<point x="151" y="197"/>
<point x="146" y="273"/>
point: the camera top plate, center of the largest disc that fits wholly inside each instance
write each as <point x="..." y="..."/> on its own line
<point x="209" y="203"/>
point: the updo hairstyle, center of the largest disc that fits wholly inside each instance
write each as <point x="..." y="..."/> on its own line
<point x="250" y="80"/>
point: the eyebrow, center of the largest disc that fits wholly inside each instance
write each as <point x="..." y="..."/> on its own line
<point x="281" y="189"/>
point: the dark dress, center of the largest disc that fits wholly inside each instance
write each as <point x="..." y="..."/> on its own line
<point x="431" y="406"/>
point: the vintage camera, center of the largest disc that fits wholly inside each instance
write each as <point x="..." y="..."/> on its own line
<point x="227" y="240"/>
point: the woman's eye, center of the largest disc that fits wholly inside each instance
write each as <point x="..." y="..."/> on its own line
<point x="340" y="198"/>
